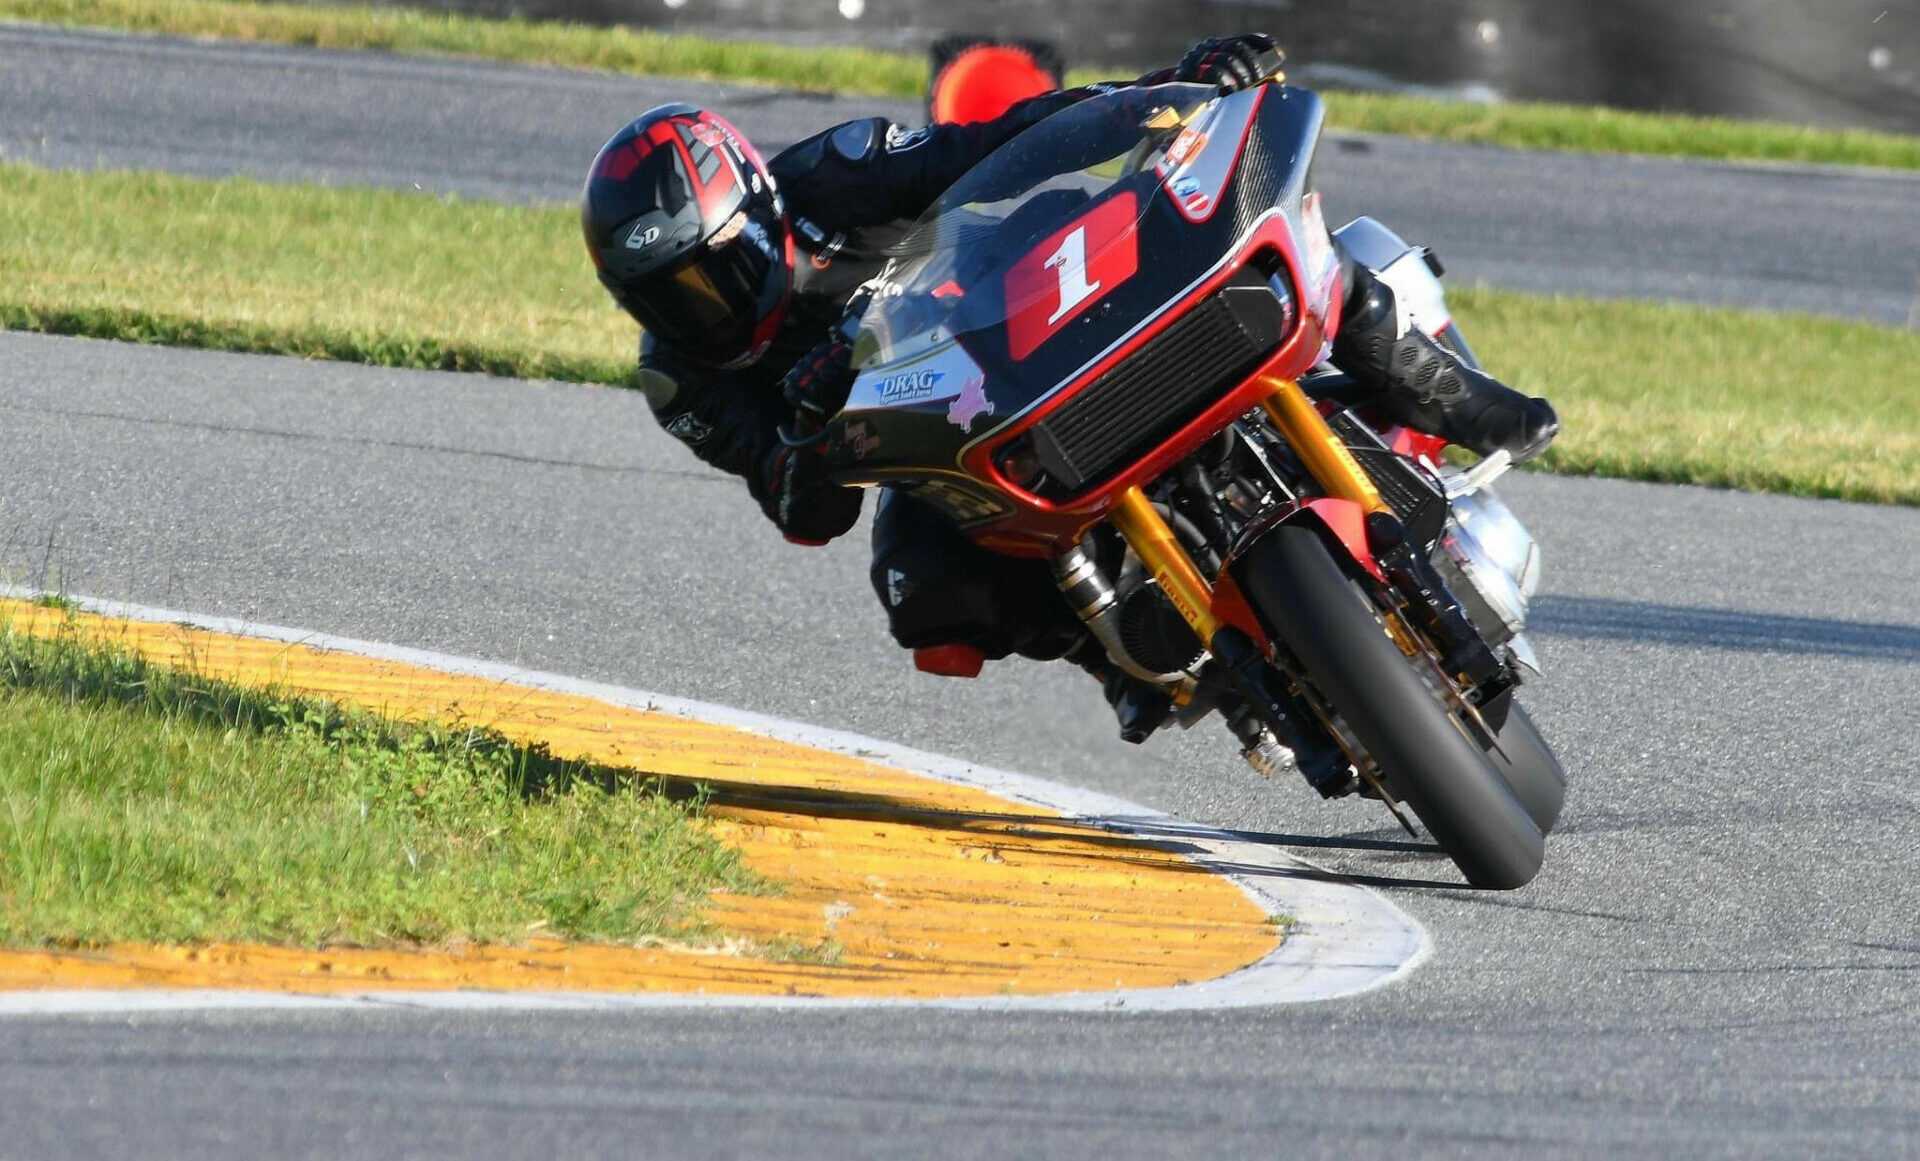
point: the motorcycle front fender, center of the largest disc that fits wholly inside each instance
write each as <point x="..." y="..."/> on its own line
<point x="1341" y="523"/>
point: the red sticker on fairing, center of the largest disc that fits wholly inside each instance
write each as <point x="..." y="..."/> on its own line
<point x="1071" y="270"/>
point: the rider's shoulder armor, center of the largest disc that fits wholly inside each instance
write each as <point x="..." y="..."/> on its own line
<point x="852" y="144"/>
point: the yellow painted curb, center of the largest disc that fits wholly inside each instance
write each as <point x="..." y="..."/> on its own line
<point x="927" y="889"/>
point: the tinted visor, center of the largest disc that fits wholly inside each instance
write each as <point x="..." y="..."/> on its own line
<point x="710" y="302"/>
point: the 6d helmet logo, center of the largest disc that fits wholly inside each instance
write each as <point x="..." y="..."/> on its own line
<point x="640" y="239"/>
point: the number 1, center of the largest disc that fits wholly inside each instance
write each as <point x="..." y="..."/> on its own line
<point x="1071" y="260"/>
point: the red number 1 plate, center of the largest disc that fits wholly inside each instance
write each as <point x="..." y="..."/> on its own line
<point x="1072" y="269"/>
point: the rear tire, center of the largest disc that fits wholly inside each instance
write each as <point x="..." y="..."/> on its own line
<point x="1526" y="761"/>
<point x="1429" y="761"/>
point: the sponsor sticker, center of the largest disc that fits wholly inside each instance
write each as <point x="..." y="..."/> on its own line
<point x="971" y="404"/>
<point x="1190" y="142"/>
<point x="909" y="386"/>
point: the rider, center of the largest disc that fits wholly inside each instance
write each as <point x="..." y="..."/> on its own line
<point x="740" y="272"/>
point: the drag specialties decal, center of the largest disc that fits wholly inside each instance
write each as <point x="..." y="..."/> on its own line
<point x="971" y="405"/>
<point x="910" y="386"/>
<point x="924" y="381"/>
<point x="1071" y="270"/>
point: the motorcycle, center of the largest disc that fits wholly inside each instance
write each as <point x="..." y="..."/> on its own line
<point x="1105" y="347"/>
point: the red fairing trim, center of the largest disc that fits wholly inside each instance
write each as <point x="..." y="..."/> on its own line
<point x="1416" y="445"/>
<point x="802" y="542"/>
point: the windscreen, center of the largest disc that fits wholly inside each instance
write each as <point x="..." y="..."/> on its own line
<point x="960" y="268"/>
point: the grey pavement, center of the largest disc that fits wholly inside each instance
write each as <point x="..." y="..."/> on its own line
<point x="1830" y="241"/>
<point x="1719" y="958"/>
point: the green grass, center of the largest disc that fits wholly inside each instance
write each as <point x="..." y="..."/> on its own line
<point x="1696" y="395"/>
<point x="138" y="803"/>
<point x="362" y="275"/>
<point x="1595" y="129"/>
<point x="1687" y="394"/>
<point x="855" y="70"/>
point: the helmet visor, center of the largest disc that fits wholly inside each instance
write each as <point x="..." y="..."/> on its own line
<point x="710" y="302"/>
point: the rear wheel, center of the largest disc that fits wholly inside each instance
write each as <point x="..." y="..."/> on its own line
<point x="1526" y="761"/>
<point x="1425" y="753"/>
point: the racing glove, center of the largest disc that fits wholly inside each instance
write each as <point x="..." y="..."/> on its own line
<point x="794" y="491"/>
<point x="816" y="388"/>
<point x="802" y="502"/>
<point x="1231" y="62"/>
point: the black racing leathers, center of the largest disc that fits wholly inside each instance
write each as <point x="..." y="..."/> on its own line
<point x="849" y="192"/>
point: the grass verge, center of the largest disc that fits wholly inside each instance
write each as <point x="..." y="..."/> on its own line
<point x="1688" y="394"/>
<point x="856" y="70"/>
<point x="138" y="803"/>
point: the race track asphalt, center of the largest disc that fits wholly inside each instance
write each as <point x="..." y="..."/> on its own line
<point x="1720" y="957"/>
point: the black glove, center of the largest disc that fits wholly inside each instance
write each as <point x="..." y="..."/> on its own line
<point x="1232" y="62"/>
<point x="816" y="388"/>
<point x="796" y="495"/>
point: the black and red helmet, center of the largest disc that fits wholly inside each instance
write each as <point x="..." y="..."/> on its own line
<point x="685" y="228"/>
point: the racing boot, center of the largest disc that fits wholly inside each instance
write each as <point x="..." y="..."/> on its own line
<point x="1425" y="386"/>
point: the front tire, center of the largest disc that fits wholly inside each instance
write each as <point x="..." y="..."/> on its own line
<point x="1428" y="758"/>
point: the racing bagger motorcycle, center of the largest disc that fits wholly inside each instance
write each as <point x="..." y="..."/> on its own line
<point x="1104" y="348"/>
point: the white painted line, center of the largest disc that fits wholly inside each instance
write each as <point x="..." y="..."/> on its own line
<point x="1348" y="938"/>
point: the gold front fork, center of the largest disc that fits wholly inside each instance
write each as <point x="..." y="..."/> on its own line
<point x="1306" y="431"/>
<point x="1168" y="563"/>
<point x="1318" y="447"/>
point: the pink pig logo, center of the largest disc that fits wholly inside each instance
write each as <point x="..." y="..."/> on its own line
<point x="971" y="405"/>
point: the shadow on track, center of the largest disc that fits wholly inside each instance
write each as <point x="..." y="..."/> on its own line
<point x="1619" y="620"/>
<point x="1124" y="839"/>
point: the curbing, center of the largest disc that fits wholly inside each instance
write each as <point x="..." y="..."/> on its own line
<point x="1348" y="939"/>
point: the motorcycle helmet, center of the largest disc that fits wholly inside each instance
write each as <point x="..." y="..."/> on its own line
<point x="686" y="230"/>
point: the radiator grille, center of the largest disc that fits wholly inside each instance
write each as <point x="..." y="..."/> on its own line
<point x="1113" y="421"/>
<point x="1421" y="506"/>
